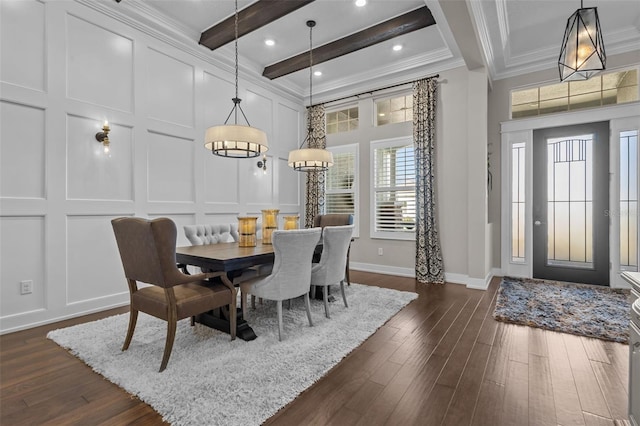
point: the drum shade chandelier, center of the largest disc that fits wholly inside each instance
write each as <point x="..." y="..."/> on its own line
<point x="310" y="159"/>
<point x="582" y="54"/>
<point x="236" y="140"/>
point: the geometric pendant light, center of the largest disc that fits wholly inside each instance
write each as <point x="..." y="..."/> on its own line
<point x="582" y="54"/>
<point x="236" y="140"/>
<point x="310" y="159"/>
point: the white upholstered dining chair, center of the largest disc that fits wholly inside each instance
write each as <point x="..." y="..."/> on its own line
<point x="331" y="268"/>
<point x="291" y="274"/>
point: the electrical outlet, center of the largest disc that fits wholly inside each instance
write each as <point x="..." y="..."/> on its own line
<point x="26" y="287"/>
<point x="380" y="251"/>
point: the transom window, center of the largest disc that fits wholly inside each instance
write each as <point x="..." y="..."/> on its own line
<point x="394" y="110"/>
<point x="604" y="89"/>
<point x="343" y="120"/>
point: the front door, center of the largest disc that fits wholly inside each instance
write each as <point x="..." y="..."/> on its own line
<point x="570" y="201"/>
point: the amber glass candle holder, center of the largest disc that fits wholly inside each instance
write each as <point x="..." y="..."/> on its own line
<point x="247" y="231"/>
<point x="269" y="224"/>
<point x="291" y="222"/>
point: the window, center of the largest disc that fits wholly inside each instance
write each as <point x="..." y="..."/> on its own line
<point x="629" y="200"/>
<point x="394" y="110"/>
<point x="393" y="202"/>
<point x="604" y="89"/>
<point x="342" y="183"/>
<point x="517" y="202"/>
<point x="344" y="120"/>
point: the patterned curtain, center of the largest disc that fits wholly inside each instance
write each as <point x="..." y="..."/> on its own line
<point x="315" y="194"/>
<point x="429" y="265"/>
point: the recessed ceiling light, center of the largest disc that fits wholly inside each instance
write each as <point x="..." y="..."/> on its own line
<point x="317" y="73"/>
<point x="361" y="3"/>
<point x="397" y="47"/>
<point x="269" y="42"/>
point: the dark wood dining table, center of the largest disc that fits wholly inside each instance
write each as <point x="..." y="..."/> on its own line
<point x="232" y="259"/>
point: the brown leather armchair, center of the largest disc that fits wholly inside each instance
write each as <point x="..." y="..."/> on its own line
<point x="148" y="252"/>
<point x="335" y="219"/>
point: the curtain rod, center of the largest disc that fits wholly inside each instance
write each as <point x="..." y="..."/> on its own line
<point x="370" y="92"/>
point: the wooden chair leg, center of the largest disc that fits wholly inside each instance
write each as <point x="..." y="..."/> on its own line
<point x="307" y="305"/>
<point x="344" y="298"/>
<point x="253" y="302"/>
<point x="280" y="328"/>
<point x="193" y="321"/>
<point x="325" y="298"/>
<point x="133" y="319"/>
<point x="289" y="304"/>
<point x="171" y="335"/>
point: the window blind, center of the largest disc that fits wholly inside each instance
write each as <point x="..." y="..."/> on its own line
<point x="340" y="184"/>
<point x="395" y="205"/>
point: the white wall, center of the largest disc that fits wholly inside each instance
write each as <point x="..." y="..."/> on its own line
<point x="461" y="211"/>
<point x="65" y="68"/>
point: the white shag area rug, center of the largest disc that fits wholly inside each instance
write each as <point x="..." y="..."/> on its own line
<point x="211" y="380"/>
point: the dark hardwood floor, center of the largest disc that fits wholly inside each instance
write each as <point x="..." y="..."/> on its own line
<point x="442" y="360"/>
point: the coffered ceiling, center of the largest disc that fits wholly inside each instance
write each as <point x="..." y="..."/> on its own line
<point x="511" y="36"/>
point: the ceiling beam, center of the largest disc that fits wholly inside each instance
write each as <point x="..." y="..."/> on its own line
<point x="250" y="18"/>
<point x="403" y="24"/>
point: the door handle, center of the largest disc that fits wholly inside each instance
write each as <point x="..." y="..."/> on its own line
<point x="538" y="223"/>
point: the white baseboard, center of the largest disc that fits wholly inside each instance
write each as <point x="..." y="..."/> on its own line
<point x="475" y="283"/>
<point x="454" y="278"/>
<point x="61" y="318"/>
<point x="383" y="269"/>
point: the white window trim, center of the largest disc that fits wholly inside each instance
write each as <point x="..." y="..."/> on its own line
<point x="387" y="235"/>
<point x="352" y="148"/>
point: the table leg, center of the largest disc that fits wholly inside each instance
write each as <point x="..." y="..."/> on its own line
<point x="219" y="319"/>
<point x="216" y="319"/>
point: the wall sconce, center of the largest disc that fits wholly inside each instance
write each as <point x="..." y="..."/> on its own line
<point x="103" y="137"/>
<point x="262" y="164"/>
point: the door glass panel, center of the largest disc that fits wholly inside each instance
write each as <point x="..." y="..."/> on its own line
<point x="570" y="201"/>
<point x="517" y="202"/>
<point x="629" y="200"/>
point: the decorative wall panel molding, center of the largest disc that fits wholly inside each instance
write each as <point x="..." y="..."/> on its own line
<point x="85" y="255"/>
<point x="93" y="174"/>
<point x="180" y="220"/>
<point x="99" y="65"/>
<point x="59" y="191"/>
<point x="288" y="184"/>
<point x="23" y="259"/>
<point x="22" y="33"/>
<point x="22" y="151"/>
<point x="170" y="168"/>
<point x="217" y="94"/>
<point x="170" y="89"/>
<point x="288" y="134"/>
